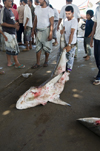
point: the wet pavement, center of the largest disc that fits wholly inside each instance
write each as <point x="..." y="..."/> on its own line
<point x="51" y="127"/>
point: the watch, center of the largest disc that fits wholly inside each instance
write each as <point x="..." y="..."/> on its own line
<point x="69" y="45"/>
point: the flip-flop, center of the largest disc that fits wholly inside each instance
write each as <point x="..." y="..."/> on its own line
<point x="84" y="56"/>
<point x="45" y="64"/>
<point x="20" y="67"/>
<point x="12" y="65"/>
<point x="35" y="66"/>
<point x="96" y="82"/>
<point x="2" y="72"/>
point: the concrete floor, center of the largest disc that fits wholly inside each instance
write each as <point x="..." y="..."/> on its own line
<point x="51" y="127"/>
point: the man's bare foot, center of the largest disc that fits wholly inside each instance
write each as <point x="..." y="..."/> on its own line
<point x="10" y="64"/>
<point x="87" y="58"/>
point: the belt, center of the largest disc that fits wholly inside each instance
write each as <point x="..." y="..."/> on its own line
<point x="72" y="45"/>
<point x="41" y="30"/>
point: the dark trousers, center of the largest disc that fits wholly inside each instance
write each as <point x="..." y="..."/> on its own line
<point x="97" y="56"/>
<point x="19" y="33"/>
<point x="87" y="45"/>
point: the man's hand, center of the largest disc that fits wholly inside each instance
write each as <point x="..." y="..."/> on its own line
<point x="57" y="28"/>
<point x="25" y="27"/>
<point x="89" y="36"/>
<point x="91" y="43"/>
<point x="6" y="39"/>
<point x="61" y="32"/>
<point x="32" y="35"/>
<point x="68" y="48"/>
<point x="50" y="37"/>
<point x="16" y="25"/>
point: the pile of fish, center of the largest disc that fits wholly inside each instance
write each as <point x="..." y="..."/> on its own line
<point x="49" y="91"/>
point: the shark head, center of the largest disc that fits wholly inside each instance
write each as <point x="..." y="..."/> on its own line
<point x="27" y="98"/>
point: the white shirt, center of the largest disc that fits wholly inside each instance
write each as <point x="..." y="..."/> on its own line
<point x="76" y="11"/>
<point x="97" y="19"/>
<point x="68" y="26"/>
<point x="56" y="14"/>
<point x="27" y="14"/>
<point x="43" y="16"/>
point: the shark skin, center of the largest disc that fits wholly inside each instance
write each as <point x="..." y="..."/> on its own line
<point x="91" y="123"/>
<point x="50" y="92"/>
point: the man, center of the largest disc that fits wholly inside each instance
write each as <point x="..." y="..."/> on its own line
<point x="9" y="27"/>
<point x="15" y="12"/>
<point x="27" y="25"/>
<point x="14" y="5"/>
<point x="70" y="30"/>
<point x="36" y="2"/>
<point x="44" y="21"/>
<point x="21" y="18"/>
<point x="63" y="16"/>
<point x="96" y="36"/>
<point x="56" y="18"/>
<point x="33" y="15"/>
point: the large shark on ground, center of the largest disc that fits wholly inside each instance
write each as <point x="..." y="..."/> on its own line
<point x="92" y="123"/>
<point x="49" y="91"/>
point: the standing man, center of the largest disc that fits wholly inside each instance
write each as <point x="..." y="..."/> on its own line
<point x="63" y="16"/>
<point x="44" y="21"/>
<point x="70" y="30"/>
<point x="21" y="18"/>
<point x="32" y="12"/>
<point x="56" y="18"/>
<point x="27" y="26"/>
<point x="96" y="36"/>
<point x="9" y="27"/>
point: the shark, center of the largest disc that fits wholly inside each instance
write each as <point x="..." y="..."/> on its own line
<point x="50" y="90"/>
<point x="92" y="123"/>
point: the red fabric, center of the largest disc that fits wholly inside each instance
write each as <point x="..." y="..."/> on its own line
<point x="15" y="13"/>
<point x="15" y="6"/>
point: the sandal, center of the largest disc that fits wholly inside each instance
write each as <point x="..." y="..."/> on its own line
<point x="84" y="56"/>
<point x="12" y="65"/>
<point x="35" y="66"/>
<point x="20" y="67"/>
<point x="45" y="64"/>
<point x="96" y="82"/>
<point x="87" y="58"/>
<point x="2" y="72"/>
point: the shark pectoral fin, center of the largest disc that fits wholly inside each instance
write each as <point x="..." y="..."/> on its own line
<point x="59" y="101"/>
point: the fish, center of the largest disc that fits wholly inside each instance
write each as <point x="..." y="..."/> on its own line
<point x="50" y="90"/>
<point x="92" y="123"/>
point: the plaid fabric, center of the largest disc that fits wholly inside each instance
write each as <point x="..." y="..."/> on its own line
<point x="11" y="44"/>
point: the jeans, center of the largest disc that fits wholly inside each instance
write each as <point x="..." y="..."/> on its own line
<point x="70" y="56"/>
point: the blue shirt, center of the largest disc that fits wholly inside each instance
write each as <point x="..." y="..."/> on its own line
<point x="88" y="27"/>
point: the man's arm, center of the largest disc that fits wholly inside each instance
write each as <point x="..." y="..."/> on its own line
<point x="10" y="25"/>
<point x="3" y="35"/>
<point x="68" y="48"/>
<point x="51" y="28"/>
<point x="59" y="22"/>
<point x="62" y="31"/>
<point x="34" y="25"/>
<point x="93" y="32"/>
<point x="78" y="20"/>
